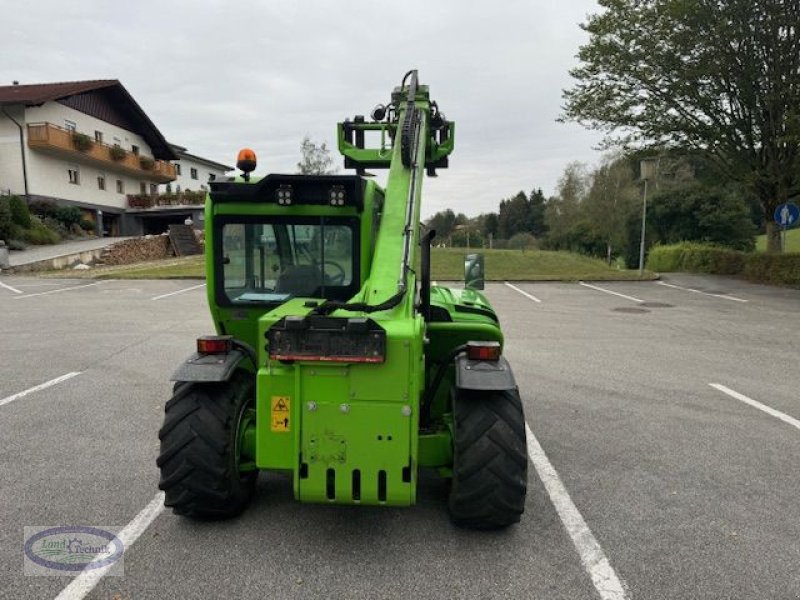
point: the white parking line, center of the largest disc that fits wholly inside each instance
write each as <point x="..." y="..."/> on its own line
<point x="524" y="293"/>
<point x="86" y="581"/>
<point x="594" y="560"/>
<point x="8" y="287"/>
<point x="189" y="289"/>
<point x="66" y="289"/>
<point x="686" y="289"/>
<point x="756" y="404"/>
<point x="39" y="387"/>
<point x="604" y="290"/>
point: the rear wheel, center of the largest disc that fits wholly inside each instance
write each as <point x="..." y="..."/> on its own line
<point x="200" y="448"/>
<point x="490" y="467"/>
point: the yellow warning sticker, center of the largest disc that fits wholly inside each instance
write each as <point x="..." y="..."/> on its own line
<point x="280" y="413"/>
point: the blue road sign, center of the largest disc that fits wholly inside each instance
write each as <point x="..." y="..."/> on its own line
<point x="787" y="214"/>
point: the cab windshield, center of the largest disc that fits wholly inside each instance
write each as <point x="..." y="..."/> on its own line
<point x="270" y="260"/>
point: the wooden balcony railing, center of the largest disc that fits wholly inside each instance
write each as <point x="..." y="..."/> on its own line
<point x="80" y="147"/>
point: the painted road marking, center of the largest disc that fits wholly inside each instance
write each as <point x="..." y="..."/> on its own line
<point x="594" y="560"/>
<point x="754" y="403"/>
<point x="86" y="581"/>
<point x="604" y="290"/>
<point x="8" y="287"/>
<point x="39" y="387"/>
<point x="524" y="293"/>
<point x="189" y="289"/>
<point x="66" y="289"/>
<point x="723" y="296"/>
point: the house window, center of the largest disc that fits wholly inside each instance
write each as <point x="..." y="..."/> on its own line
<point x="101" y="182"/>
<point x="153" y="189"/>
<point x="98" y="137"/>
<point x="194" y="173"/>
<point x="135" y="150"/>
<point x="74" y="175"/>
<point x="177" y="189"/>
<point x="70" y="125"/>
<point x="142" y="188"/>
<point x="169" y="188"/>
<point x="177" y="169"/>
<point x="117" y="142"/>
<point x="211" y="177"/>
<point x="120" y="186"/>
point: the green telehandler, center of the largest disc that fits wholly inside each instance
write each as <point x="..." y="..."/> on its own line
<point x="336" y="359"/>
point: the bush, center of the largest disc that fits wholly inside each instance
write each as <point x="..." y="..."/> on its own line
<point x="522" y="241"/>
<point x="87" y="225"/>
<point x="54" y="225"/>
<point x="43" y="208"/>
<point x="81" y="141"/>
<point x="19" y="212"/>
<point x="117" y="153"/>
<point x="776" y="269"/>
<point x="39" y="233"/>
<point x="68" y="215"/>
<point x="6" y="222"/>
<point x="693" y="257"/>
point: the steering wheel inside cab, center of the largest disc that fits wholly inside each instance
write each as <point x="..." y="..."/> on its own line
<point x="304" y="280"/>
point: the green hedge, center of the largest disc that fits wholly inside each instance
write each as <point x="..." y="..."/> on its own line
<point x="776" y="269"/>
<point x="780" y="269"/>
<point x="696" y="258"/>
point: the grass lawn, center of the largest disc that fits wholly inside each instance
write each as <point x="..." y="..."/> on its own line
<point x="531" y="265"/>
<point x="792" y="241"/>
<point x="447" y="264"/>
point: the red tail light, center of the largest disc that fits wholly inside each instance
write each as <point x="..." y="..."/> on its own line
<point x="214" y="344"/>
<point x="488" y="351"/>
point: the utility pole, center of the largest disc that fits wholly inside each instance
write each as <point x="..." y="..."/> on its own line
<point x="647" y="169"/>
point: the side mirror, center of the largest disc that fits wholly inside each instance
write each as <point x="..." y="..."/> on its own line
<point x="474" y="273"/>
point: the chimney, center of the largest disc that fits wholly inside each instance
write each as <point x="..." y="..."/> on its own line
<point x="15" y="82"/>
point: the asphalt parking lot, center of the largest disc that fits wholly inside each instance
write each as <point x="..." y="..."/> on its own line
<point x="665" y="439"/>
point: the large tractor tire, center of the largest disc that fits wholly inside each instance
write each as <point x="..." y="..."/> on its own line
<point x="199" y="459"/>
<point x="490" y="466"/>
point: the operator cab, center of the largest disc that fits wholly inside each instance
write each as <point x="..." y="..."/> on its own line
<point x="287" y="236"/>
<point x="272" y="259"/>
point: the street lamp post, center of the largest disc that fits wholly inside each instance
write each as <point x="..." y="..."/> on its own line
<point x="647" y="168"/>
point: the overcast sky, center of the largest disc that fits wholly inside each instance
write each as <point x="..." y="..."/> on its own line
<point x="217" y="76"/>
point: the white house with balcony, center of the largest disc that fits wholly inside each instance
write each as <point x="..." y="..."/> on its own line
<point x="84" y="143"/>
<point x="192" y="173"/>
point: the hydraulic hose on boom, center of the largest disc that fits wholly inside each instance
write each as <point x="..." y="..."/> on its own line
<point x="407" y="121"/>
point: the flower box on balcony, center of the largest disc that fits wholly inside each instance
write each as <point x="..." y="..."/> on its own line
<point x="146" y="163"/>
<point x="117" y="153"/>
<point x="81" y="141"/>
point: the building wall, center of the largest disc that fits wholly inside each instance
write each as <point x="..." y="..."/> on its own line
<point x="185" y="181"/>
<point x="10" y="155"/>
<point x="48" y="175"/>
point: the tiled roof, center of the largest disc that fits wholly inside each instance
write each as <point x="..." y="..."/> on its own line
<point x="39" y="93"/>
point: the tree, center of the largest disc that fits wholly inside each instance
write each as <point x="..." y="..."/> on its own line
<point x="514" y="216"/>
<point x="563" y="212"/>
<point x="536" y="205"/>
<point x="490" y="225"/>
<point x="699" y="213"/>
<point x="719" y="76"/>
<point x="610" y="200"/>
<point x="315" y="160"/>
<point x="443" y="222"/>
